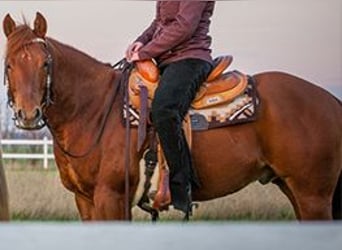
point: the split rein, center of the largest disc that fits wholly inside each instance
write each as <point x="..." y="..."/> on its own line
<point x="125" y="68"/>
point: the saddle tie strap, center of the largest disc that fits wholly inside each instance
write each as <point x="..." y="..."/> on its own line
<point x="143" y="116"/>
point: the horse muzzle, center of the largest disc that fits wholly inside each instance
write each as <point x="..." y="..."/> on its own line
<point x="32" y="120"/>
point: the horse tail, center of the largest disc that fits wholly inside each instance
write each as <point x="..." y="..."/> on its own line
<point x="4" y="207"/>
<point x="337" y="200"/>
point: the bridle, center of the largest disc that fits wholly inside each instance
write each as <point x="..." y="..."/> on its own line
<point x="47" y="99"/>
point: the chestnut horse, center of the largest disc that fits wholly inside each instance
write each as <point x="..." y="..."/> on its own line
<point x="297" y="139"/>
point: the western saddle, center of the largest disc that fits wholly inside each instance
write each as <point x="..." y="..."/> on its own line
<point x="218" y="88"/>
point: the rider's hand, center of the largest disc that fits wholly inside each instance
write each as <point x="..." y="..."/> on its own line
<point x="135" y="57"/>
<point x="132" y="49"/>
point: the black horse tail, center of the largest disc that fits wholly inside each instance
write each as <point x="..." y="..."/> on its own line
<point x="337" y="200"/>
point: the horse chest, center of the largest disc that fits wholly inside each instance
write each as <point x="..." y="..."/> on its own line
<point x="72" y="180"/>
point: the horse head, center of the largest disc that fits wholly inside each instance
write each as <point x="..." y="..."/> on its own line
<point x="28" y="67"/>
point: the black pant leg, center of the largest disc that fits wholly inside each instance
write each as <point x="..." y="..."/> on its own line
<point x="179" y="84"/>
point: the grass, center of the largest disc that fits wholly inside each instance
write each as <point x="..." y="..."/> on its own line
<point x="38" y="195"/>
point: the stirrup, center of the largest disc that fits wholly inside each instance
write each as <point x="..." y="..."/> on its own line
<point x="188" y="214"/>
<point x="191" y="205"/>
<point x="162" y="205"/>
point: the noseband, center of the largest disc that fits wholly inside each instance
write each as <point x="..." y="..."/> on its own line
<point x="47" y="100"/>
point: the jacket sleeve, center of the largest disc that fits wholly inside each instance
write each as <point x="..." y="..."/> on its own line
<point x="181" y="29"/>
<point x="147" y="35"/>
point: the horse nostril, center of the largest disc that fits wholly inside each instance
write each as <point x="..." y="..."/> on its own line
<point x="38" y="113"/>
<point x="21" y="114"/>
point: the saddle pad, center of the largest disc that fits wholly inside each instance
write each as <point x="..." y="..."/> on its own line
<point x="241" y="110"/>
<point x="134" y="116"/>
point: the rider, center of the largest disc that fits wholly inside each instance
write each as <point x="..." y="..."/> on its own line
<point x="178" y="41"/>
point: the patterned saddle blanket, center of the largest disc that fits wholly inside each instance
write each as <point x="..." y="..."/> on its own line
<point x="242" y="109"/>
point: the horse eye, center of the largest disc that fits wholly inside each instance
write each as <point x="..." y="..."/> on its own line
<point x="8" y="67"/>
<point x="46" y="65"/>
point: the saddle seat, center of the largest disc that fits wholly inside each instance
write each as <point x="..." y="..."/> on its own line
<point x="217" y="89"/>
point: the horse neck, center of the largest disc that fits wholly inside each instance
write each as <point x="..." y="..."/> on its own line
<point x="82" y="89"/>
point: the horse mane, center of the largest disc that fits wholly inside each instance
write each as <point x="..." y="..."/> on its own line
<point x="23" y="35"/>
<point x="63" y="48"/>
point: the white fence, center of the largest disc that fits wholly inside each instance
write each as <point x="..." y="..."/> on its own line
<point x="45" y="156"/>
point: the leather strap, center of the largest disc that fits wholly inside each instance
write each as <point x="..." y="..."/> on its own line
<point x="143" y="115"/>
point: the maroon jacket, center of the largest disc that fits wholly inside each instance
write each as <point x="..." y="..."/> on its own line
<point x="179" y="31"/>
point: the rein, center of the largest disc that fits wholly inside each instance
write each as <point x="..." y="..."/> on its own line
<point x="102" y="127"/>
<point x="126" y="70"/>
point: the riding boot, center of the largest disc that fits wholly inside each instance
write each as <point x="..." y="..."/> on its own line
<point x="176" y="151"/>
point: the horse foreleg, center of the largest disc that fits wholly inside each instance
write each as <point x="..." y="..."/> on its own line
<point x="85" y="208"/>
<point x="109" y="204"/>
<point x="314" y="208"/>
<point x="285" y="189"/>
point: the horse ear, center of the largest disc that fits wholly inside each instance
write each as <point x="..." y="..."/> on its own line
<point x="8" y="25"/>
<point x="40" y="25"/>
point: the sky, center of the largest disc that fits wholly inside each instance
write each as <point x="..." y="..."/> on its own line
<point x="301" y="37"/>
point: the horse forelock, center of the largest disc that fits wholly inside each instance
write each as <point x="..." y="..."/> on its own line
<point x="20" y="37"/>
